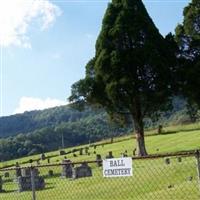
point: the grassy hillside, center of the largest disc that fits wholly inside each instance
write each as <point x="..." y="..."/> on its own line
<point x="173" y="139"/>
<point x="152" y="179"/>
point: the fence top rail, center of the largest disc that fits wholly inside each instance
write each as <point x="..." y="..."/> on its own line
<point x="152" y="156"/>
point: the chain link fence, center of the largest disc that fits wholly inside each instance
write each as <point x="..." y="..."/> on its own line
<point x="159" y="177"/>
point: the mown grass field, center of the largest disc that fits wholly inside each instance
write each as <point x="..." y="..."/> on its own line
<point x="152" y="178"/>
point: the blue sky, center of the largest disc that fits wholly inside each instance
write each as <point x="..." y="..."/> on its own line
<point x="52" y="45"/>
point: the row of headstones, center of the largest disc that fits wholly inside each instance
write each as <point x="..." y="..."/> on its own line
<point x="23" y="178"/>
<point x="69" y="171"/>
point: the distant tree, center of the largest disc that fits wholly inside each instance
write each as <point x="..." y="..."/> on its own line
<point x="131" y="70"/>
<point x="188" y="39"/>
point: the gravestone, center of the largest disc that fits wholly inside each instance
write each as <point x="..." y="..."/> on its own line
<point x="24" y="181"/>
<point x="82" y="171"/>
<point x="50" y="172"/>
<point x="43" y="157"/>
<point x="179" y="159"/>
<point x="190" y="178"/>
<point x="62" y="152"/>
<point x="99" y="160"/>
<point x="81" y="152"/>
<point x="48" y="160"/>
<point x="167" y="161"/>
<point x="6" y="175"/>
<point x="17" y="170"/>
<point x="67" y="169"/>
<point x="110" y="155"/>
<point x="95" y="146"/>
<point x="124" y="155"/>
<point x="86" y="150"/>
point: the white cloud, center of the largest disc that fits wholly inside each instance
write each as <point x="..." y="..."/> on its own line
<point x="30" y="103"/>
<point x="16" y="16"/>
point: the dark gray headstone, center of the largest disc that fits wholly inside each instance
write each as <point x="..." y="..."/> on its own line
<point x="179" y="159"/>
<point x="81" y="152"/>
<point x="67" y="169"/>
<point x="83" y="171"/>
<point x="43" y="157"/>
<point x="25" y="183"/>
<point x="110" y="155"/>
<point x="124" y="155"/>
<point x="99" y="160"/>
<point x="18" y="172"/>
<point x="167" y="161"/>
<point x="62" y="152"/>
<point x="6" y="175"/>
<point x="50" y="172"/>
<point x="48" y="160"/>
<point x="86" y="150"/>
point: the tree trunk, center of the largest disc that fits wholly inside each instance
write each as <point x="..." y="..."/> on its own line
<point x="139" y="129"/>
<point x="140" y="143"/>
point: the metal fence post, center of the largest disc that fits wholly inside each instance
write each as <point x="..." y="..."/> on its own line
<point x="197" y="155"/>
<point x="33" y="183"/>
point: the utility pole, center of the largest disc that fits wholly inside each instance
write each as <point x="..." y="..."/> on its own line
<point x="63" y="143"/>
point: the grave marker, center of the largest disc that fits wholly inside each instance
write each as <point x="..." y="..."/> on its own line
<point x="83" y="171"/>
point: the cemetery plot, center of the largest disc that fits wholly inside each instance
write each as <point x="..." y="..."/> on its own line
<point x="153" y="179"/>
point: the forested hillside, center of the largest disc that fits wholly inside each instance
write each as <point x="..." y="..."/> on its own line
<point x="41" y="131"/>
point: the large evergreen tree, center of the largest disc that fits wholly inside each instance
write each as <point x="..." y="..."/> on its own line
<point x="131" y="70"/>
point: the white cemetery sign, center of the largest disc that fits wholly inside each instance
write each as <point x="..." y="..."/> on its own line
<point x="117" y="167"/>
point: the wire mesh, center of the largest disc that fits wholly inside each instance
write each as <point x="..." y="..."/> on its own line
<point x="157" y="178"/>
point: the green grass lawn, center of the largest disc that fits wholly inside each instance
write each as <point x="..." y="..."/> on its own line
<point x="152" y="178"/>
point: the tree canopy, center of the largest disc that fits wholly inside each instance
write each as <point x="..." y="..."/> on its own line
<point x="188" y="40"/>
<point x="131" y="70"/>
